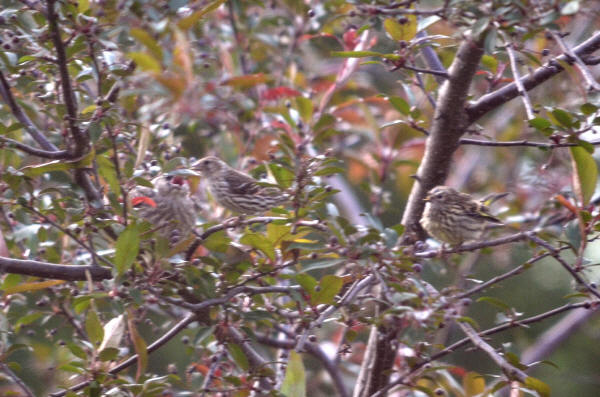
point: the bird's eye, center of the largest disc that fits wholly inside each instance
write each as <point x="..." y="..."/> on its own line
<point x="169" y="177"/>
<point x="439" y="196"/>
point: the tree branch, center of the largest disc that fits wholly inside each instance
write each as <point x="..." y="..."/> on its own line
<point x="315" y="351"/>
<point x="16" y="110"/>
<point x="52" y="270"/>
<point x="180" y="326"/>
<point x="587" y="76"/>
<point x="517" y="77"/>
<point x="80" y="138"/>
<point x="47" y="154"/>
<point x="10" y="374"/>
<point x="417" y="368"/>
<point x="494" y="99"/>
<point x="511" y="371"/>
<point x="449" y="124"/>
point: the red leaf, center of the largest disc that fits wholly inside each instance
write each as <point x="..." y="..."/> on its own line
<point x="143" y="200"/>
<point x="279" y="92"/>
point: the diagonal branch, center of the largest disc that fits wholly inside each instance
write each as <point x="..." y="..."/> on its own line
<point x="177" y="328"/>
<point x="494" y="99"/>
<point x="16" y="110"/>
<point x="511" y="371"/>
<point x="416" y="369"/>
<point x="592" y="83"/>
<point x="517" y="76"/>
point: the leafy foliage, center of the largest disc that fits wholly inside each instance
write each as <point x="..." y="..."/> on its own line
<point x="333" y="104"/>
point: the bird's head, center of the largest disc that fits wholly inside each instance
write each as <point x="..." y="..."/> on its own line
<point x="209" y="166"/>
<point x="441" y="195"/>
<point x="171" y="185"/>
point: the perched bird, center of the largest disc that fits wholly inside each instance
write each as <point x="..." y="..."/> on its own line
<point x="453" y="217"/>
<point x="168" y="206"/>
<point x="237" y="191"/>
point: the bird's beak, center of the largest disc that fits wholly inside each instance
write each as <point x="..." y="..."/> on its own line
<point x="427" y="198"/>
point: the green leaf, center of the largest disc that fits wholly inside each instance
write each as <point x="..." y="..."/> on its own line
<point x="490" y="62"/>
<point x="218" y="242"/>
<point x="539" y="123"/>
<point x="400" y="104"/>
<point x="259" y="242"/>
<point x="585" y="174"/>
<point x="146" y="62"/>
<point x="588" y="108"/>
<point x="328" y="288"/>
<point x="305" y="108"/>
<point x="495" y="302"/>
<point x="106" y="169"/>
<point x="283" y="176"/>
<point x="490" y="41"/>
<point x="83" y="6"/>
<point x="563" y="117"/>
<point x="57" y="165"/>
<point x="393" y="29"/>
<point x="108" y="354"/>
<point x="76" y="350"/>
<point x="473" y="384"/>
<point x="93" y="327"/>
<point x="307" y="282"/>
<point x="238" y="356"/>
<point x="127" y="248"/>
<point x="329" y="171"/>
<point x="189" y="21"/>
<point x="139" y="345"/>
<point x="294" y="382"/>
<point x="537" y="385"/>
<point x="355" y="54"/>
<point x="146" y="39"/>
<point x="480" y="26"/>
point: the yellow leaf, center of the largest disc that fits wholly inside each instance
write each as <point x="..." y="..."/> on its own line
<point x="32" y="286"/>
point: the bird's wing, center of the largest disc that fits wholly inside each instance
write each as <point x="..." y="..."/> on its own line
<point x="240" y="183"/>
<point x="479" y="210"/>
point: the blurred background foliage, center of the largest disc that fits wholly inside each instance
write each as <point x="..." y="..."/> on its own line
<point x="272" y="88"/>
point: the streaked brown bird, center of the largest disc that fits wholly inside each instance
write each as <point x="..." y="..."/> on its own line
<point x="167" y="207"/>
<point x="453" y="217"/>
<point x="237" y="191"/>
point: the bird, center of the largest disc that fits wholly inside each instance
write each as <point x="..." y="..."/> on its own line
<point x="168" y="206"/>
<point x="237" y="191"/>
<point x="453" y="217"/>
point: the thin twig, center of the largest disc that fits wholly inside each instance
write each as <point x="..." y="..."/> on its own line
<point x="511" y="371"/>
<point x="4" y="368"/>
<point x="346" y="299"/>
<point x="517" y="78"/>
<point x="20" y="115"/>
<point x="176" y="329"/>
<point x="214" y="365"/>
<point x="70" y="234"/>
<point x="475" y="245"/>
<point x="421" y="70"/>
<point x="47" y="154"/>
<point x="555" y="253"/>
<point x="585" y="72"/>
<point x="417" y="368"/>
